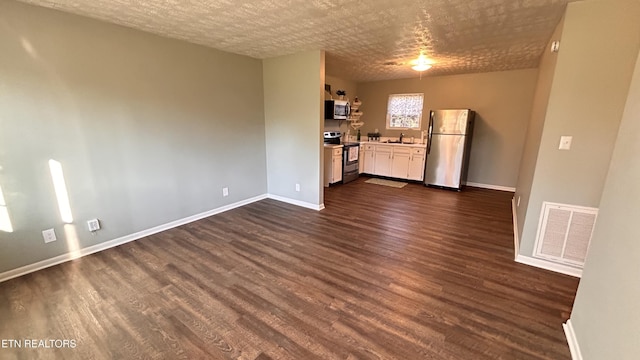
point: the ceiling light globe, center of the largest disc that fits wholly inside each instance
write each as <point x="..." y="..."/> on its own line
<point x="421" y="67"/>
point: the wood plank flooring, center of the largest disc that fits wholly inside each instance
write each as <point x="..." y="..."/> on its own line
<point x="381" y="273"/>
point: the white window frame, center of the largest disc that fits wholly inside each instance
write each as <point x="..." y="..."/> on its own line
<point x="388" y="120"/>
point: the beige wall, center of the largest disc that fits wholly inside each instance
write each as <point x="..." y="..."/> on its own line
<point x="148" y="130"/>
<point x="605" y="314"/>
<point x="600" y="42"/>
<point x="534" y="129"/>
<point x="293" y="106"/>
<point x="502" y="101"/>
<point x="351" y="88"/>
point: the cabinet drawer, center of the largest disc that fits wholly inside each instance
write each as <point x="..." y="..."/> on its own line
<point x="381" y="148"/>
<point x="401" y="150"/>
<point x="417" y="151"/>
<point x="369" y="147"/>
<point x="337" y="151"/>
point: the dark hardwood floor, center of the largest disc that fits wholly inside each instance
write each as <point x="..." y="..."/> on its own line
<point x="381" y="273"/>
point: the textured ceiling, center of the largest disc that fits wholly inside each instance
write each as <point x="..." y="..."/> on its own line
<point x="364" y="39"/>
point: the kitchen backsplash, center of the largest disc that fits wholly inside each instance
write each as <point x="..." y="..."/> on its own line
<point x="332" y="125"/>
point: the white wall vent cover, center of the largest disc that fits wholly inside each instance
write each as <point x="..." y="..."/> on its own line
<point x="564" y="233"/>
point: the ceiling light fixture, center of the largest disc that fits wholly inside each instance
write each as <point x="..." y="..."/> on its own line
<point x="421" y="63"/>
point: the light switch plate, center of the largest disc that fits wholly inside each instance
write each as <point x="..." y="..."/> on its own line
<point x="565" y="142"/>
<point x="49" y="235"/>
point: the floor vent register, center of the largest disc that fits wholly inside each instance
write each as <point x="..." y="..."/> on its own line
<point x="564" y="233"/>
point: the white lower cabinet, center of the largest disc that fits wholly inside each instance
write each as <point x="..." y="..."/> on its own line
<point x="332" y="165"/>
<point x="382" y="160"/>
<point x="416" y="164"/>
<point x="337" y="167"/>
<point x="368" y="159"/>
<point x="402" y="162"/>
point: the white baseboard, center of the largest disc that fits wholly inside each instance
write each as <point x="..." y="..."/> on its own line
<point x="549" y="265"/>
<point x="516" y="238"/>
<point x="7" y="275"/>
<point x="492" y="187"/>
<point x="574" y="348"/>
<point x="304" y="204"/>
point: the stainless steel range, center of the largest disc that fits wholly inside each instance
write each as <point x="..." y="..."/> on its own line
<point x="350" y="154"/>
<point x="332" y="137"/>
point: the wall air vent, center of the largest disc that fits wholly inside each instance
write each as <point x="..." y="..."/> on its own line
<point x="564" y="233"/>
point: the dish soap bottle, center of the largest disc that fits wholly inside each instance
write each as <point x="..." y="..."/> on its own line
<point x="358" y="135"/>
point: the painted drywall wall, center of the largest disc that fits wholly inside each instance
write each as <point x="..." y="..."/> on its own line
<point x="351" y="88"/>
<point x="294" y="114"/>
<point x="148" y="130"/>
<point x="534" y="128"/>
<point x="502" y="101"/>
<point x="605" y="314"/>
<point x="587" y="98"/>
<point x="337" y="83"/>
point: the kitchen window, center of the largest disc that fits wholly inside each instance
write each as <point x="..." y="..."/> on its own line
<point x="404" y="111"/>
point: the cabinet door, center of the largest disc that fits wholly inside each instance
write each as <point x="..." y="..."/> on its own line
<point x="416" y="167"/>
<point x="400" y="165"/>
<point x="337" y="169"/>
<point x="361" y="158"/>
<point x="369" y="162"/>
<point x="382" y="163"/>
<point x="328" y="166"/>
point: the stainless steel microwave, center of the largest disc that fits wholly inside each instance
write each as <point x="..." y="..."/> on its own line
<point x="336" y="109"/>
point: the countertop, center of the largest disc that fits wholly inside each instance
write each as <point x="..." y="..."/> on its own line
<point x="333" y="146"/>
<point x="393" y="144"/>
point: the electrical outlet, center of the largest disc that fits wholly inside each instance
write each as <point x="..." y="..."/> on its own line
<point x="298" y="187"/>
<point x="225" y="191"/>
<point x="93" y="225"/>
<point x="565" y="142"/>
<point x="49" y="235"/>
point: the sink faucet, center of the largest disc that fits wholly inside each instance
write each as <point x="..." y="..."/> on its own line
<point x="401" y="136"/>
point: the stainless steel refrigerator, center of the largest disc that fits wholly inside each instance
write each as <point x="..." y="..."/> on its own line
<point x="448" y="146"/>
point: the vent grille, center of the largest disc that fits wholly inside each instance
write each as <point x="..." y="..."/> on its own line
<point x="564" y="233"/>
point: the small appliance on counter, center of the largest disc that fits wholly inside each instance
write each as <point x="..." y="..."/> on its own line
<point x="373" y="136"/>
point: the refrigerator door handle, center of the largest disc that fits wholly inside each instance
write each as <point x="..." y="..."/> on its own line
<point x="430" y="132"/>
